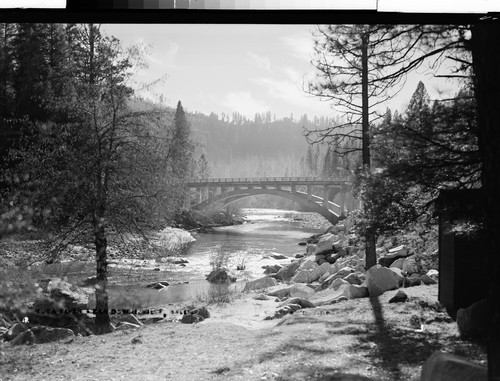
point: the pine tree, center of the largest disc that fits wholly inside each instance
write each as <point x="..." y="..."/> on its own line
<point x="181" y="146"/>
<point x="8" y="128"/>
<point x="327" y="164"/>
<point x="203" y="168"/>
<point x="310" y="163"/>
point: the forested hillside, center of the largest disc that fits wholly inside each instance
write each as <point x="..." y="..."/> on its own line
<point x="237" y="147"/>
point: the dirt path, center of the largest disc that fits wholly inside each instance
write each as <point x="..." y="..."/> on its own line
<point x="353" y="340"/>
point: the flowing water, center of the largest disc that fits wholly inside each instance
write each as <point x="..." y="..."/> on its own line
<point x="252" y="244"/>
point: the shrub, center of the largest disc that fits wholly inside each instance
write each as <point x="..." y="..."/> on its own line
<point x="219" y="294"/>
<point x="219" y="259"/>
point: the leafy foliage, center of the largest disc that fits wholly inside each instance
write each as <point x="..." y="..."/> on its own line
<point x="432" y="146"/>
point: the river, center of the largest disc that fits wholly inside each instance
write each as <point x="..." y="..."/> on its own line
<point x="265" y="232"/>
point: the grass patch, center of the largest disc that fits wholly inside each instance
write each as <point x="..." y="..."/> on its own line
<point x="219" y="293"/>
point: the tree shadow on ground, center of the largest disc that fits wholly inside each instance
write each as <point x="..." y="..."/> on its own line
<point x="308" y="357"/>
<point x="395" y="346"/>
<point x="356" y="346"/>
<point x="329" y="374"/>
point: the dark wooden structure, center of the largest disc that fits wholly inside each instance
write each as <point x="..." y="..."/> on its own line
<point x="463" y="250"/>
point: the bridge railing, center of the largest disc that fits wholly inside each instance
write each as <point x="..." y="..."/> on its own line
<point x="257" y="180"/>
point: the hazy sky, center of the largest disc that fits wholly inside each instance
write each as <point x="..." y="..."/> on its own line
<point x="245" y="68"/>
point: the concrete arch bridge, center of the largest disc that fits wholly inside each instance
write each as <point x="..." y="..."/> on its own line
<point x="316" y="194"/>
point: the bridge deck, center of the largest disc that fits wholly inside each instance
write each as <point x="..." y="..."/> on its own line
<point x="283" y="181"/>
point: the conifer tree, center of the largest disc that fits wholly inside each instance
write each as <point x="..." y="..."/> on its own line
<point x="181" y="146"/>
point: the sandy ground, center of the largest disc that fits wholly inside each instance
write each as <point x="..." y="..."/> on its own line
<point x="362" y="339"/>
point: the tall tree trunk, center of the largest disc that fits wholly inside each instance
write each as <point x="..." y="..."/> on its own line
<point x="371" y="239"/>
<point x="102" y="321"/>
<point x="486" y="63"/>
<point x="365" y="123"/>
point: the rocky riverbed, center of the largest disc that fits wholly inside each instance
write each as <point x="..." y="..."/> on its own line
<point x="330" y="269"/>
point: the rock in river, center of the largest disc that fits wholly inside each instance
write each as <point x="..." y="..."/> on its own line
<point x="220" y="276"/>
<point x="260" y="283"/>
<point x="278" y="256"/>
<point x="158" y="285"/>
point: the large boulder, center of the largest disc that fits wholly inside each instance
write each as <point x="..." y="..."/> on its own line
<point x="175" y="240"/>
<point x="288" y="271"/>
<point x="272" y="269"/>
<point x="434" y="274"/>
<point x="302" y="276"/>
<point x="398" y="263"/>
<point x="336" y="229"/>
<point x="201" y="311"/>
<point x="448" y="367"/>
<point x="358" y="291"/>
<point x="279" y="291"/>
<point x="325" y="244"/>
<point x="331" y="258"/>
<point x="427" y="280"/>
<point x="343" y="272"/>
<point x="398" y="274"/>
<point x="304" y="303"/>
<point x="261" y="297"/>
<point x="399" y="297"/>
<point x="380" y="279"/>
<point x="62" y="295"/>
<point x="352" y="250"/>
<point x="26" y="337"/>
<point x="41" y="334"/>
<point x="220" y="276"/>
<point x="473" y="321"/>
<point x="126" y="318"/>
<point x="341" y="253"/>
<point x="321" y="270"/>
<point x="338" y="246"/>
<point x="259" y="284"/>
<point x="323" y="277"/>
<point x="301" y="291"/>
<point x="338" y="290"/>
<point x="308" y="265"/>
<point x="15" y="331"/>
<point x="393" y="254"/>
<point x="327" y="282"/>
<point x="360" y="267"/>
<point x="355" y="278"/>
<point x="321" y="260"/>
<point x="411" y="265"/>
<point x="353" y="262"/>
<point x="337" y="283"/>
<point x="413" y="280"/>
<point x="339" y="274"/>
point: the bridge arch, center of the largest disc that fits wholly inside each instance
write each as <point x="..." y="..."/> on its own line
<point x="332" y="212"/>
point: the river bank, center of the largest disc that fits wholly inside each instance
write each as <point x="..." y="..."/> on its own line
<point x="344" y="341"/>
